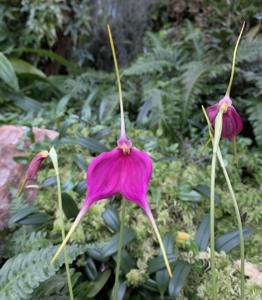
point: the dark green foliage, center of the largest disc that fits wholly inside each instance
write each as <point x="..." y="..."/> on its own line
<point x="54" y="73"/>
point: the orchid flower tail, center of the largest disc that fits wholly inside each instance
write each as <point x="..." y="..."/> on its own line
<point x="21" y="186"/>
<point x="72" y="229"/>
<point x="123" y="128"/>
<point x="234" y="61"/>
<point x="162" y="247"/>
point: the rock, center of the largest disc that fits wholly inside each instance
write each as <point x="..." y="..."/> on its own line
<point x="252" y="271"/>
<point x="10" y="171"/>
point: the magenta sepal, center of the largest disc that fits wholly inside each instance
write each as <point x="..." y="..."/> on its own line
<point x="118" y="172"/>
<point x="232" y="123"/>
<point x="35" y="165"/>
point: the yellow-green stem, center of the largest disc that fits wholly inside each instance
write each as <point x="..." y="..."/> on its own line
<point x="123" y="129"/>
<point x="152" y="220"/>
<point x="212" y="227"/>
<point x="234" y="62"/>
<point x="119" y="251"/>
<point x="239" y="223"/>
<point x="53" y="156"/>
<point x="70" y="232"/>
<point x="232" y="194"/>
<point x="218" y="130"/>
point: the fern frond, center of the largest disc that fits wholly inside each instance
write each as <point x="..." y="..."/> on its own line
<point x="255" y="117"/>
<point x="146" y="65"/>
<point x="193" y="73"/>
<point x="160" y="56"/>
<point x="250" y="50"/>
<point x="20" y="275"/>
<point x="24" y="241"/>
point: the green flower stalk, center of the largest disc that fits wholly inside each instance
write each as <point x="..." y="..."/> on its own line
<point x="218" y="126"/>
<point x="119" y="250"/>
<point x="53" y="156"/>
<point x="125" y="170"/>
<point x="228" y="124"/>
<point x="237" y="212"/>
<point x="31" y="174"/>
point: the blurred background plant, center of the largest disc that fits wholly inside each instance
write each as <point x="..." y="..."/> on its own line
<point x="56" y="72"/>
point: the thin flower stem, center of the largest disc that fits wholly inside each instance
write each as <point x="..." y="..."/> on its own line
<point x="232" y="194"/>
<point x="212" y="226"/>
<point x="239" y="223"/>
<point x="234" y="61"/>
<point x="72" y="229"/>
<point x="161" y="246"/>
<point x="218" y="126"/>
<point x="123" y="129"/>
<point x="53" y="156"/>
<point x="119" y="251"/>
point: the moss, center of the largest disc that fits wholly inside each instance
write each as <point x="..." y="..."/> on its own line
<point x="136" y="277"/>
<point x="173" y="213"/>
<point x="93" y="223"/>
<point x="227" y="282"/>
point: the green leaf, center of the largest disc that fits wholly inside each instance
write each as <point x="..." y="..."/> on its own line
<point x="151" y="285"/>
<point x="81" y="187"/>
<point x="23" y="67"/>
<point x="230" y="240"/>
<point x="26" y="103"/>
<point x="69" y="206"/>
<point x="7" y="73"/>
<point x="110" y="216"/>
<point x="97" y="285"/>
<point x="143" y="112"/>
<point x="127" y="261"/>
<point x="21" y="160"/>
<point x="103" y="251"/>
<point x="21" y="214"/>
<point x="88" y="143"/>
<point x="80" y="161"/>
<point x="47" y="53"/>
<point x="203" y="233"/>
<point x="61" y="106"/>
<point x="158" y="263"/>
<point x="162" y="279"/>
<point x="205" y="191"/>
<point x="192" y="196"/>
<point x="187" y="194"/>
<point x="102" y="134"/>
<point x="35" y="219"/>
<point x="121" y="291"/>
<point x="90" y="268"/>
<point x="180" y="273"/>
<point x="48" y="181"/>
<point x="168" y="242"/>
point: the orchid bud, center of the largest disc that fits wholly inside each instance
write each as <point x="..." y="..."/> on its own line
<point x="33" y="168"/>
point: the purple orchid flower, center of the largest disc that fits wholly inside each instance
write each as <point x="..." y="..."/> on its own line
<point x="125" y="170"/>
<point x="232" y="123"/>
<point x="33" y="168"/>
